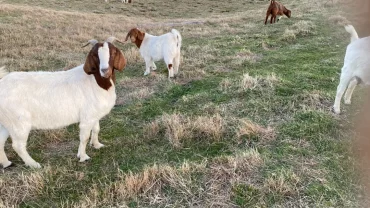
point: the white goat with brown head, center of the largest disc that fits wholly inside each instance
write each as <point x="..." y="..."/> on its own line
<point x="154" y="48"/>
<point x="51" y="100"/>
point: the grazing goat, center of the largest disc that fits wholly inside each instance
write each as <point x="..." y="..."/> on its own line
<point x="154" y="48"/>
<point x="356" y="67"/>
<point x="275" y="9"/>
<point x="50" y="100"/>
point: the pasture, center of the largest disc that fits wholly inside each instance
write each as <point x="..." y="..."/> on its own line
<point x="247" y="123"/>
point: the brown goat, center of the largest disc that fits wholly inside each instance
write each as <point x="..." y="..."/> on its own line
<point x="275" y="9"/>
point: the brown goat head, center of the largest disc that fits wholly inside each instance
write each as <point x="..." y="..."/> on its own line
<point x="102" y="60"/>
<point x="136" y="36"/>
<point x="287" y="12"/>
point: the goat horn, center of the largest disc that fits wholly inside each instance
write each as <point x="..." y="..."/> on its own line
<point x="112" y="39"/>
<point x="92" y="42"/>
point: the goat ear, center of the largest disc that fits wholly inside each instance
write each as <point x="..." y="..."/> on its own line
<point x="119" y="61"/>
<point x="140" y="35"/>
<point x="128" y="35"/>
<point x="91" y="64"/>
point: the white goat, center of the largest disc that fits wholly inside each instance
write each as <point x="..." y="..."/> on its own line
<point x="356" y="67"/>
<point x="50" y="100"/>
<point x="155" y="48"/>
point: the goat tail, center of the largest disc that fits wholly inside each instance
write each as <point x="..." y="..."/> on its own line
<point x="178" y="37"/>
<point x="3" y="72"/>
<point x="351" y="30"/>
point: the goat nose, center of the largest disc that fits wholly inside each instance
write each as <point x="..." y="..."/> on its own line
<point x="104" y="70"/>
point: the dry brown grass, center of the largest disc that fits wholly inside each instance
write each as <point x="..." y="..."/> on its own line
<point x="340" y="20"/>
<point x="245" y="56"/>
<point x="179" y="128"/>
<point x="315" y="100"/>
<point x="132" y="55"/>
<point x="286" y="183"/>
<point x="249" y="128"/>
<point x="141" y="93"/>
<point x="148" y="186"/>
<point x="152" y="129"/>
<point x="54" y="42"/>
<point x="248" y="82"/>
<point x="304" y="27"/>
<point x="145" y="186"/>
<point x="226" y="84"/>
<point x="17" y="187"/>
<point x="3" y="71"/>
<point x="176" y="128"/>
<point x="228" y="109"/>
<point x="299" y="28"/>
<point x="289" y="35"/>
<point x="209" y="126"/>
<point x="309" y="8"/>
<point x="194" y="59"/>
<point x="192" y="98"/>
<point x="142" y="87"/>
<point x="53" y="136"/>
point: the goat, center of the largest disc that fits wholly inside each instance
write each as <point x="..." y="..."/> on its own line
<point x="275" y="9"/>
<point x="51" y="100"/>
<point x="154" y="48"/>
<point x="356" y="68"/>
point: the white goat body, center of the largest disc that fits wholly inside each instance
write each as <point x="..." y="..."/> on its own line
<point x="356" y="67"/>
<point x="51" y="100"/>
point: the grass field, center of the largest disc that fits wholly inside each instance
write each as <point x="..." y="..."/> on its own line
<point x="247" y="123"/>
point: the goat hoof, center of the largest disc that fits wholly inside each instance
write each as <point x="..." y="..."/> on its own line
<point x="7" y="164"/>
<point x="84" y="158"/>
<point x="98" y="145"/>
<point x="336" y="111"/>
<point x="34" y="165"/>
<point x="146" y="73"/>
<point x="347" y="102"/>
